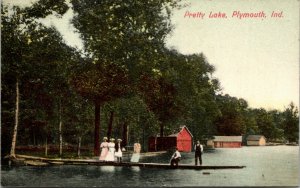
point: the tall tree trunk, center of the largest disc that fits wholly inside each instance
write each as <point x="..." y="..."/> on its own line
<point x="125" y="134"/>
<point x="155" y="143"/>
<point x="161" y="130"/>
<point x="14" y="138"/>
<point x="79" y="146"/>
<point x="60" y="129"/>
<point x="110" y="123"/>
<point x="143" y="147"/>
<point x="34" y="137"/>
<point x="97" y="129"/>
<point x="46" y="147"/>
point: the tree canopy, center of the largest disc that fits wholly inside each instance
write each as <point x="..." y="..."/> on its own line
<point x="128" y="81"/>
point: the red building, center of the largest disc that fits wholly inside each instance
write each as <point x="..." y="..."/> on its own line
<point x="226" y="142"/>
<point x="183" y="140"/>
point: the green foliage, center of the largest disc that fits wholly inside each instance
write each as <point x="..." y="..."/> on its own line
<point x="129" y="72"/>
<point x="43" y="8"/>
<point x="133" y="111"/>
<point x="290" y="123"/>
<point x="128" y="33"/>
<point x="232" y="120"/>
<point x="159" y="95"/>
<point x="195" y="91"/>
<point x="100" y="82"/>
<point x="123" y="35"/>
<point x="39" y="58"/>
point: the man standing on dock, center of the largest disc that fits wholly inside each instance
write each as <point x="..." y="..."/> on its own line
<point x="198" y="153"/>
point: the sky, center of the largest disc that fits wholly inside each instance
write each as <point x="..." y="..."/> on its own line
<point x="256" y="57"/>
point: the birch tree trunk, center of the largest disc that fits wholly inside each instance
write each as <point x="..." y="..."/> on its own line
<point x="79" y="146"/>
<point x="60" y="129"/>
<point x="46" y="147"/>
<point x="14" y="138"/>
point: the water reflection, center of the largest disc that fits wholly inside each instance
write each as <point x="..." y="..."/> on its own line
<point x="108" y="168"/>
<point x="135" y="169"/>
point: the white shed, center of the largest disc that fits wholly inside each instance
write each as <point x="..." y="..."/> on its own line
<point x="256" y="140"/>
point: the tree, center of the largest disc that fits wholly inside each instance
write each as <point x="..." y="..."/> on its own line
<point x="160" y="96"/>
<point x="250" y="120"/>
<point x="133" y="120"/>
<point x="182" y="92"/>
<point x="291" y="123"/>
<point x="20" y="31"/>
<point x="278" y="131"/>
<point x="12" y="57"/>
<point x="100" y="83"/>
<point x="78" y="120"/>
<point x="197" y="89"/>
<point x="127" y="35"/>
<point x="265" y="123"/>
<point x="232" y="121"/>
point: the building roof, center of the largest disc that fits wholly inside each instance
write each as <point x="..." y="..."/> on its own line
<point x="255" y="137"/>
<point x="228" y="138"/>
<point x="181" y="129"/>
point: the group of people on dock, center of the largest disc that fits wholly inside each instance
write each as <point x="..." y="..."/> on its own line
<point x="111" y="151"/>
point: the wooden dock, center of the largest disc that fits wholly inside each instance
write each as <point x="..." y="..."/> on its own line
<point x="40" y="161"/>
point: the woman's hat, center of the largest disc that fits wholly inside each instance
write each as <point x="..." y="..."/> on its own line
<point x="119" y="140"/>
<point x="112" y="139"/>
<point x="104" y="138"/>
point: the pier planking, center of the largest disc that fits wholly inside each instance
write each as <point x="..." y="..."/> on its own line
<point x="40" y="161"/>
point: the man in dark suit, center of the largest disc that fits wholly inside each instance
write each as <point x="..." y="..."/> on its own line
<point x="198" y="153"/>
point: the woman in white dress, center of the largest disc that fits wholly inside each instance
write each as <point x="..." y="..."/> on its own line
<point x="118" y="153"/>
<point x="136" y="153"/>
<point x="111" y="150"/>
<point x="104" y="149"/>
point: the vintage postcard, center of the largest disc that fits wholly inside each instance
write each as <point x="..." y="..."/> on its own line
<point x="169" y="93"/>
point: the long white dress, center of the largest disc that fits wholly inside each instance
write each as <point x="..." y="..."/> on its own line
<point x="119" y="152"/>
<point x="136" y="153"/>
<point x="104" y="150"/>
<point x="111" y="152"/>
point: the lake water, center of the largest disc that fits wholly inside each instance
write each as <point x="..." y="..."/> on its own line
<point x="265" y="166"/>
